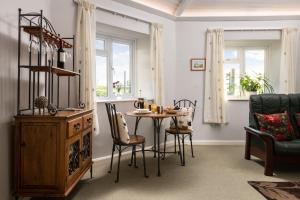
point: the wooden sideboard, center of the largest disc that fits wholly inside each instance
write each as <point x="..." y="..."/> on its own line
<point x="51" y="153"/>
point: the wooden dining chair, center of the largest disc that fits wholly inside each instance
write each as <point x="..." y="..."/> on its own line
<point x="134" y="140"/>
<point x="183" y="133"/>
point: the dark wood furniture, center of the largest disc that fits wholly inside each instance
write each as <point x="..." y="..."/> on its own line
<point x="182" y="133"/>
<point x="157" y="121"/>
<point x="135" y="140"/>
<point x="262" y="144"/>
<point x="52" y="153"/>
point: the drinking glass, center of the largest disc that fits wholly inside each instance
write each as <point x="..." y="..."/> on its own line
<point x="154" y="108"/>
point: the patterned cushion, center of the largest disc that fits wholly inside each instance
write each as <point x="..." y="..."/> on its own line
<point x="277" y="124"/>
<point x="184" y="122"/>
<point x="123" y="130"/>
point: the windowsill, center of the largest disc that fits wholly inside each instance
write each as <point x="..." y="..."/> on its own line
<point x="120" y="100"/>
<point x="115" y="100"/>
<point x="238" y="99"/>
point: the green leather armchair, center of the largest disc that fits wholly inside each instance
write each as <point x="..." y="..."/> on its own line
<point x="262" y="144"/>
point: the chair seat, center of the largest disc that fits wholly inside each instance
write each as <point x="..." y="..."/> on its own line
<point x="180" y="131"/>
<point x="133" y="139"/>
<point x="287" y="147"/>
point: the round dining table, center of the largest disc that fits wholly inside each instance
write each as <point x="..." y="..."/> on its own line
<point x="157" y="121"/>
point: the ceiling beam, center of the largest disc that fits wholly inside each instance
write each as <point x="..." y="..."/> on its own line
<point x="181" y="7"/>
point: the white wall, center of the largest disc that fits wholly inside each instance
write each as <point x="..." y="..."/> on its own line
<point x="8" y="80"/>
<point x="64" y="16"/>
<point x="190" y="43"/>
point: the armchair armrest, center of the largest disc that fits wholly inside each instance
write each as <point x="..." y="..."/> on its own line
<point x="263" y="135"/>
<point x="267" y="156"/>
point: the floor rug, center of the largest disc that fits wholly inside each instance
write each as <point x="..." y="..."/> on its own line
<point x="277" y="190"/>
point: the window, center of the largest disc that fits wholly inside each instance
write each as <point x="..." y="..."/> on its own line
<point x="114" y="68"/>
<point x="239" y="61"/>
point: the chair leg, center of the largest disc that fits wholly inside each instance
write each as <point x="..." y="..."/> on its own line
<point x="118" y="172"/>
<point x="269" y="166"/>
<point x="144" y="160"/>
<point x="248" y="146"/>
<point x="269" y="163"/>
<point x="132" y="156"/>
<point x="183" y="154"/>
<point x="191" y="140"/>
<point x="179" y="147"/>
<point x="165" y="146"/>
<point x="112" y="158"/>
<point x="134" y="153"/>
<point x="175" y="150"/>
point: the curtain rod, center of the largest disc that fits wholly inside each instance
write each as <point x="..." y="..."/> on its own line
<point x="258" y="29"/>
<point x="119" y="14"/>
<point x="123" y="15"/>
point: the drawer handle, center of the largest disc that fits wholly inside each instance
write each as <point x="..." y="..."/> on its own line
<point x="89" y="120"/>
<point x="77" y="126"/>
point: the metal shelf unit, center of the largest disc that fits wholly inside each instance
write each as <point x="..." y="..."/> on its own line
<point x="38" y="27"/>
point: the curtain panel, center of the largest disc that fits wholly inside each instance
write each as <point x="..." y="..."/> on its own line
<point x="156" y="62"/>
<point x="288" y="63"/>
<point x="214" y="101"/>
<point x="85" y="54"/>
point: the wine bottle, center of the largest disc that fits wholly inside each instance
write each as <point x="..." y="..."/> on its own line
<point x="61" y="57"/>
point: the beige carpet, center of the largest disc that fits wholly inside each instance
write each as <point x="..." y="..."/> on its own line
<point x="216" y="173"/>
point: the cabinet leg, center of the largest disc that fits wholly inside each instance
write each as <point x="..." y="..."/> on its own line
<point x="91" y="171"/>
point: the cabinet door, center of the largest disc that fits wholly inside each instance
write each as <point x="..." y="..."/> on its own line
<point x="86" y="149"/>
<point x="73" y="164"/>
<point x="39" y="155"/>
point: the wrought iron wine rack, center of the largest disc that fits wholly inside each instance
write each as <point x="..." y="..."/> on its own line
<point x="38" y="27"/>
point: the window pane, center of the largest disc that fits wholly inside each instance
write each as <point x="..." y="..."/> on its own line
<point x="121" y="69"/>
<point x="100" y="44"/>
<point x="232" y="79"/>
<point x="101" y="77"/>
<point x="254" y="62"/>
<point x="230" y="54"/>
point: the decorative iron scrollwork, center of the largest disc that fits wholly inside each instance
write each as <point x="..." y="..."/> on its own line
<point x="86" y="148"/>
<point x="74" y="157"/>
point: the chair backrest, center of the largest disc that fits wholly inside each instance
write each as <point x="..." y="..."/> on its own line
<point x="113" y="121"/>
<point x="186" y="103"/>
<point x="266" y="104"/>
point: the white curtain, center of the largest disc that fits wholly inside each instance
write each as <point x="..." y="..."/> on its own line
<point x="288" y="60"/>
<point x="214" y="103"/>
<point x="85" y="54"/>
<point x="156" y="62"/>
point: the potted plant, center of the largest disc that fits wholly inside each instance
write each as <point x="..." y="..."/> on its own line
<point x="256" y="85"/>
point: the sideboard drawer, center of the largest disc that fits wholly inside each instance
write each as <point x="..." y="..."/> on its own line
<point x="87" y="120"/>
<point x="74" y="126"/>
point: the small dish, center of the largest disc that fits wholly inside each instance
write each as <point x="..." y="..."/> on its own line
<point x="142" y="111"/>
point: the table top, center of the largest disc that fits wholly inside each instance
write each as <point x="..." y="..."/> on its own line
<point x="155" y="115"/>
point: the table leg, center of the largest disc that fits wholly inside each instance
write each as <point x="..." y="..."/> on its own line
<point x="158" y="123"/>
<point x="155" y="131"/>
<point x="136" y="124"/>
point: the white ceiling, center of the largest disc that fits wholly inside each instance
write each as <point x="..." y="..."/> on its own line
<point x="222" y="8"/>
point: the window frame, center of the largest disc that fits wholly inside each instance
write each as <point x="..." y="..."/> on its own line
<point x="242" y="47"/>
<point x="108" y="53"/>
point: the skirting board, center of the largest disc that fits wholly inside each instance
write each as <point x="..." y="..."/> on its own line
<point x="218" y="142"/>
<point x="195" y="142"/>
